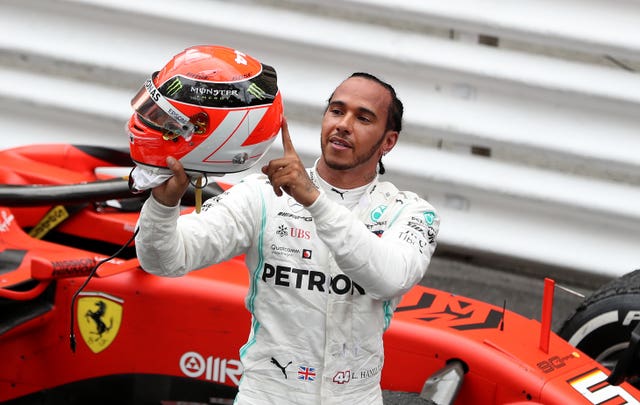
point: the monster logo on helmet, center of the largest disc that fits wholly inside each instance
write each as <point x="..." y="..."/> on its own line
<point x="214" y="108"/>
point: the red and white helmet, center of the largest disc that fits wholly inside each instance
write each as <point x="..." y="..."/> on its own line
<point x="214" y="108"/>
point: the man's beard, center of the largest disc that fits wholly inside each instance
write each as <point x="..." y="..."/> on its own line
<point x="359" y="159"/>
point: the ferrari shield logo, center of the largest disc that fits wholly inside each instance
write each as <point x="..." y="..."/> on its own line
<point x="99" y="318"/>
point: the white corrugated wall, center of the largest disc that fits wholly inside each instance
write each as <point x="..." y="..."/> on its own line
<point x="522" y="121"/>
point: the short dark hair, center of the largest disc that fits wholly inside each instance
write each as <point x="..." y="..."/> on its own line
<point x="396" y="109"/>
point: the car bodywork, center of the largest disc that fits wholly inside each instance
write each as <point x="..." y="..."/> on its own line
<point x="147" y="339"/>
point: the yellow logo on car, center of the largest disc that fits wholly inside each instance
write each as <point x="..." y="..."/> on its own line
<point x="99" y="319"/>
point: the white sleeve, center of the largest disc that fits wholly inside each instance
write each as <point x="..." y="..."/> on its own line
<point x="386" y="266"/>
<point x="170" y="244"/>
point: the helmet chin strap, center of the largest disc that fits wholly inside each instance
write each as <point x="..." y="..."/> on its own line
<point x="198" y="195"/>
<point x="199" y="185"/>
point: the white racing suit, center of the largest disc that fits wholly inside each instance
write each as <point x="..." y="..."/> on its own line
<point x="324" y="281"/>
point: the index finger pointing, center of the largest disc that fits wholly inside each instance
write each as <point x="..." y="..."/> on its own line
<point x="287" y="145"/>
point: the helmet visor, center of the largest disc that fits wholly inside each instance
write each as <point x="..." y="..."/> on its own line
<point x="155" y="109"/>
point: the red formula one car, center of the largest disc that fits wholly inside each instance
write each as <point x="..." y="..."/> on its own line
<point x="81" y="323"/>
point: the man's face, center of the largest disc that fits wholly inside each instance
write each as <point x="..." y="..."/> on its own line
<point x="354" y="126"/>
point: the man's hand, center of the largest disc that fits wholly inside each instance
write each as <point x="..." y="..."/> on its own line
<point x="288" y="174"/>
<point x="171" y="191"/>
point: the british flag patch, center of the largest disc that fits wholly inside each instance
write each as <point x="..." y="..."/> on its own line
<point x="306" y="373"/>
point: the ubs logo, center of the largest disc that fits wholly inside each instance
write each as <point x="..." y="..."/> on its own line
<point x="293" y="232"/>
<point x="299" y="233"/>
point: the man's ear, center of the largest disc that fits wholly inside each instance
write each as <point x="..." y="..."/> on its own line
<point x="391" y="138"/>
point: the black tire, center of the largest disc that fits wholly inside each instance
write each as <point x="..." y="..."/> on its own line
<point x="601" y="326"/>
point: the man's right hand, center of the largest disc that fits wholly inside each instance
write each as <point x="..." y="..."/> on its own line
<point x="171" y="191"/>
<point x="288" y="174"/>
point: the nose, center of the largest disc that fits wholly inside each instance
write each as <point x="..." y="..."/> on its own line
<point x="345" y="123"/>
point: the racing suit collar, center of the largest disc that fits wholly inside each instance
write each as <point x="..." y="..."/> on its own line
<point x="313" y="174"/>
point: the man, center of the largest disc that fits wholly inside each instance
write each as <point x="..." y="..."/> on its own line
<point x="330" y="250"/>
